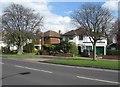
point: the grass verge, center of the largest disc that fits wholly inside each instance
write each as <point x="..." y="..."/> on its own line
<point x="106" y="64"/>
<point x="23" y="56"/>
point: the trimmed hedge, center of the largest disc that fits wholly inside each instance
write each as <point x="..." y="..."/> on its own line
<point x="113" y="52"/>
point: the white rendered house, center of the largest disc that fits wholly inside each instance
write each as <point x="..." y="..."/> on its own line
<point x="2" y="44"/>
<point x="83" y="42"/>
<point x="13" y="47"/>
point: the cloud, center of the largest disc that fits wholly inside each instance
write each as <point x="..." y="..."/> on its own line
<point x="51" y="20"/>
<point x="112" y="5"/>
<point x="68" y="12"/>
<point x="59" y="23"/>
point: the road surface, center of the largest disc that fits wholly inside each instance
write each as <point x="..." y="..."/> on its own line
<point x="19" y="72"/>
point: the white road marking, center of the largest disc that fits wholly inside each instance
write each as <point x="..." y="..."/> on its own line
<point x="98" y="80"/>
<point x="33" y="69"/>
<point x="86" y="68"/>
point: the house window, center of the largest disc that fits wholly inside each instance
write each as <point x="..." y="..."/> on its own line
<point x="46" y="38"/>
<point x="70" y="38"/>
<point x="66" y="38"/>
<point x="89" y="48"/>
<point x="81" y="37"/>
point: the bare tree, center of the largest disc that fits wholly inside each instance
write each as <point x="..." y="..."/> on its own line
<point x="19" y="25"/>
<point x="95" y="20"/>
<point x="118" y="37"/>
<point x="116" y="29"/>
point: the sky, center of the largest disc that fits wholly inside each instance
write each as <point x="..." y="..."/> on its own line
<point x="57" y="12"/>
<point x="65" y="8"/>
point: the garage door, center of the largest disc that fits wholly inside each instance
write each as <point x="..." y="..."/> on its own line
<point x="99" y="50"/>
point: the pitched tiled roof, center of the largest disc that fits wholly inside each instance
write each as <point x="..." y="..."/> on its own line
<point x="79" y="31"/>
<point x="51" y="33"/>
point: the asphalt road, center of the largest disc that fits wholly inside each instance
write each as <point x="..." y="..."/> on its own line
<point x="18" y="72"/>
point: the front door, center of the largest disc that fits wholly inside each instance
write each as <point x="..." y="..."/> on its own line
<point x="79" y="49"/>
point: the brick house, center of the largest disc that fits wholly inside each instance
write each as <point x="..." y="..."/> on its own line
<point x="49" y="37"/>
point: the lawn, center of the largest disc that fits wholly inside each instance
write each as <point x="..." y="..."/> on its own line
<point x="88" y="63"/>
<point x="21" y="56"/>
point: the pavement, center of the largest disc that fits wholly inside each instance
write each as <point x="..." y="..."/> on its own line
<point x="36" y="59"/>
<point x="20" y="72"/>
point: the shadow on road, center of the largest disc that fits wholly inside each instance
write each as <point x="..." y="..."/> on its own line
<point x="23" y="73"/>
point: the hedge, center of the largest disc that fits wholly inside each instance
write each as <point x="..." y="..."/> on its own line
<point x="113" y="52"/>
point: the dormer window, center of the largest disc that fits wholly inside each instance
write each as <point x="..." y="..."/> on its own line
<point x="80" y="37"/>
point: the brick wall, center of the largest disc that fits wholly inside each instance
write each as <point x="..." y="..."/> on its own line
<point x="111" y="57"/>
<point x="52" y="41"/>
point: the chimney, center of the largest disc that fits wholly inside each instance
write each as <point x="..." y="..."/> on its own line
<point x="59" y="31"/>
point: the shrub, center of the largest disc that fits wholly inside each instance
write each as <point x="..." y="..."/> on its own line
<point x="113" y="52"/>
<point x="28" y="48"/>
<point x="65" y="46"/>
<point x="49" y="47"/>
<point x="5" y="50"/>
<point x="34" y="50"/>
<point x="74" y="49"/>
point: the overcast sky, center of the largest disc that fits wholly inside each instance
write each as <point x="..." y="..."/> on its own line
<point x="57" y="12"/>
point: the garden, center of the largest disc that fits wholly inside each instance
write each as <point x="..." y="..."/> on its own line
<point x="64" y="48"/>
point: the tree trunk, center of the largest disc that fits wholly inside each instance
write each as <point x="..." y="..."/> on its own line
<point x="20" y="50"/>
<point x="94" y="51"/>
